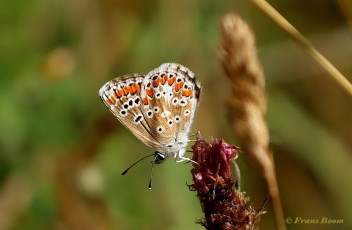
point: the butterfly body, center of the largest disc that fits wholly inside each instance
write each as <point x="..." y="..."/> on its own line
<point x="158" y="108"/>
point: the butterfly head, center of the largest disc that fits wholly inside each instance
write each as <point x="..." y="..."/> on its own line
<point x="159" y="158"/>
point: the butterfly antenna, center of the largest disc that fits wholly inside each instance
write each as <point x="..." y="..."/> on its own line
<point x="151" y="176"/>
<point x="124" y="172"/>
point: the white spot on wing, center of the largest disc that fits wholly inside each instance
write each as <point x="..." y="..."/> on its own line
<point x="165" y="113"/>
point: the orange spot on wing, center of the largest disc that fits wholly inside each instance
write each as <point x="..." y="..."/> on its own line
<point x="128" y="89"/>
<point x="145" y="101"/>
<point x="125" y="92"/>
<point x="138" y="88"/>
<point x="178" y="86"/>
<point x="163" y="79"/>
<point x="156" y="83"/>
<point x="121" y="93"/>
<point x="171" y="81"/>
<point x="187" y="93"/>
<point x="197" y="93"/>
<point x="133" y="89"/>
<point x="111" y="101"/>
<point x="149" y="92"/>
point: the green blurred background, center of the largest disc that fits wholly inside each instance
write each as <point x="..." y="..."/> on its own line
<point x="62" y="152"/>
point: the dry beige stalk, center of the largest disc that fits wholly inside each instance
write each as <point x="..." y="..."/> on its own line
<point x="277" y="18"/>
<point x="247" y="104"/>
<point x="15" y="197"/>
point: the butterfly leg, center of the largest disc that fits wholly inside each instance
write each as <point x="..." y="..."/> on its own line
<point x="195" y="134"/>
<point x="179" y="157"/>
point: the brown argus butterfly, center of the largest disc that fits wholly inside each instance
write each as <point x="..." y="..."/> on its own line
<point x="158" y="108"/>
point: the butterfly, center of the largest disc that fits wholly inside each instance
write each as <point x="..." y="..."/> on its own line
<point x="158" y="108"/>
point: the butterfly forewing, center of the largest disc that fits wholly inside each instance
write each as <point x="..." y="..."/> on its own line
<point x="122" y="97"/>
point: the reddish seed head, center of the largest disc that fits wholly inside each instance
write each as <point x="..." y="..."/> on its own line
<point x="213" y="159"/>
<point x="224" y="208"/>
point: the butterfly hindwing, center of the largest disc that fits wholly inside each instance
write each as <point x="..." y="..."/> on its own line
<point x="171" y="95"/>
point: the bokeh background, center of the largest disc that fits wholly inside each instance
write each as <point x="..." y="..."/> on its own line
<point x="62" y="152"/>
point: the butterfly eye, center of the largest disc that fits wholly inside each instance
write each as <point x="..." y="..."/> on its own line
<point x="159" y="158"/>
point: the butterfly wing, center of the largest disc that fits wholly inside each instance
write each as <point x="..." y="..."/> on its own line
<point x="122" y="97"/>
<point x="170" y="96"/>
